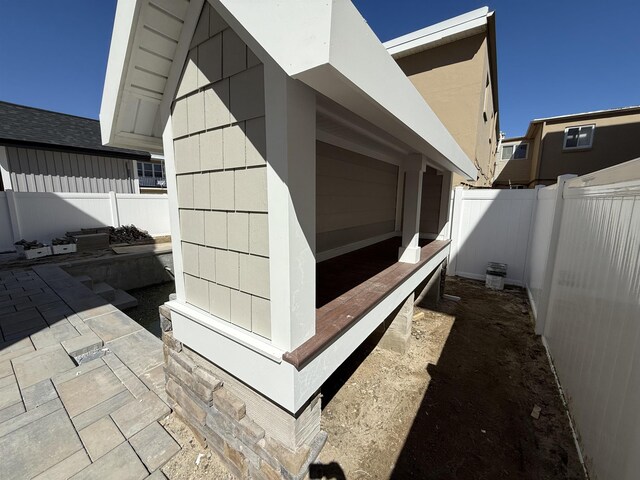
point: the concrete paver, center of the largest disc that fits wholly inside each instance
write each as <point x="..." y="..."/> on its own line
<point x="135" y="416"/>
<point x="67" y="467"/>
<point x="140" y="351"/>
<point x="86" y="391"/>
<point x="60" y="331"/>
<point x="102" y="409"/>
<point x="86" y="343"/>
<point x="112" y="325"/>
<point x="20" y="420"/>
<point x="154" y="446"/>
<point x="121" y="463"/>
<point x="41" y="364"/>
<point x="38" y="394"/>
<point x="101" y="437"/>
<point x="10" y="412"/>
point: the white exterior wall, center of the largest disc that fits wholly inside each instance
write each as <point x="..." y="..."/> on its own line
<point x="35" y="170"/>
<point x="218" y="124"/>
<point x="43" y="216"/>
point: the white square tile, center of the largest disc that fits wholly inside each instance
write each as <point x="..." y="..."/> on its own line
<point x="222" y="190"/>
<point x="251" y="189"/>
<point x="201" y="195"/>
<point x="233" y="140"/>
<point x="254" y="275"/>
<point x="215" y="229"/>
<point x="259" y="234"/>
<point x="261" y="316"/>
<point x="216" y="104"/>
<point x="220" y="301"/>
<point x="247" y="94"/>
<point x="196" y="292"/>
<point x="190" y="263"/>
<point x="238" y="225"/>
<point x="234" y="53"/>
<point x="256" y="142"/>
<point x="241" y="309"/>
<point x="227" y="268"/>
<point x="185" y="191"/>
<point x="192" y="226"/>
<point x="207" y="263"/>
<point x="211" y="150"/>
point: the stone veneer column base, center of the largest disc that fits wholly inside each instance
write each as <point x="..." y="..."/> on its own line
<point x="253" y="437"/>
<point x="398" y="328"/>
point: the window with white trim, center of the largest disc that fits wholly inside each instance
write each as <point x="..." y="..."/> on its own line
<point x="151" y="174"/>
<point x="515" y="152"/>
<point x="578" y="137"/>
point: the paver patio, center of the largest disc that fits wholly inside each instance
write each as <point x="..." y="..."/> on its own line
<point x="58" y="419"/>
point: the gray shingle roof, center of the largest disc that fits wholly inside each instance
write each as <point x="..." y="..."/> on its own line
<point x="33" y="126"/>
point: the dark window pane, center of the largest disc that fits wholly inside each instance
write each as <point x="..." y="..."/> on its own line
<point x="148" y="170"/>
<point x="521" y="151"/>
<point x="139" y="169"/>
<point x="584" y="139"/>
<point x="157" y="170"/>
<point x="507" y="151"/>
<point x="571" y="139"/>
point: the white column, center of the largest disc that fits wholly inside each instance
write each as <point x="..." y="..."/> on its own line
<point x="115" y="215"/>
<point x="291" y="186"/>
<point x="456" y="221"/>
<point x="414" y="166"/>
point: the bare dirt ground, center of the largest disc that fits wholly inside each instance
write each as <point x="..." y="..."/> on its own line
<point x="456" y="406"/>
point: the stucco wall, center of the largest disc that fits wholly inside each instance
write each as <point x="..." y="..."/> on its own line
<point x="37" y="170"/>
<point x="514" y="171"/>
<point x="220" y="160"/>
<point x="355" y="197"/>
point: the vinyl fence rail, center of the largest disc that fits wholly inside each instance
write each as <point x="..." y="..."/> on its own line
<point x="43" y="216"/>
<point x="575" y="246"/>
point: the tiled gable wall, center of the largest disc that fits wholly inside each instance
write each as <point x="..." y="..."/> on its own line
<point x="220" y="161"/>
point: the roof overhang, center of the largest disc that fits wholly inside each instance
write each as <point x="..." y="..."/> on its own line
<point x="326" y="45"/>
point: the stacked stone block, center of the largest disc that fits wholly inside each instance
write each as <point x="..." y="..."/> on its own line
<point x="218" y="417"/>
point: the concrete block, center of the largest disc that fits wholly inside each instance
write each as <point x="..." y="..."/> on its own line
<point x="215" y="229"/>
<point x="195" y="410"/>
<point x="185" y="191"/>
<point x="201" y="195"/>
<point x="229" y="404"/>
<point x="185" y="362"/>
<point x="251" y="190"/>
<point x="195" y="112"/>
<point x="261" y="316"/>
<point x="236" y="459"/>
<point x="241" y="309"/>
<point x="207" y="262"/>
<point x="247" y="94"/>
<point x="119" y="464"/>
<point x="211" y="150"/>
<point x="216" y="23"/>
<point x="254" y="275"/>
<point x="256" y="142"/>
<point x="169" y="340"/>
<point x="189" y="81"/>
<point x="82" y="344"/>
<point x="192" y="226"/>
<point x="187" y="154"/>
<point x="101" y="437"/>
<point x="233" y="139"/>
<point x="154" y="446"/>
<point x="210" y="61"/>
<point x="135" y="416"/>
<point x="190" y="259"/>
<point x="179" y="118"/>
<point x="123" y="301"/>
<point x="207" y="379"/>
<point x="222" y="190"/>
<point x="220" y="301"/>
<point x="289" y="459"/>
<point x="234" y="53"/>
<point x="398" y="334"/>
<point x="105" y="291"/>
<point x="250" y="431"/>
<point x="238" y="232"/>
<point x="227" y="268"/>
<point x="259" y="234"/>
<point x="196" y="291"/>
<point x="216" y="105"/>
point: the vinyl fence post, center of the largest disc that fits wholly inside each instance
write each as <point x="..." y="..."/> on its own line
<point x="115" y="216"/>
<point x="455" y="230"/>
<point x="13" y="215"/>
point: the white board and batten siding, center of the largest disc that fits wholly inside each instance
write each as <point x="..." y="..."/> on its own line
<point x="38" y="170"/>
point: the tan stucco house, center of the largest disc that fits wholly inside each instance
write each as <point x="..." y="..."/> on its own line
<point x="578" y="144"/>
<point x="296" y="150"/>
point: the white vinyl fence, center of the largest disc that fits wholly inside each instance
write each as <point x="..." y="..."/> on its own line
<point x="580" y="264"/>
<point x="43" y="216"/>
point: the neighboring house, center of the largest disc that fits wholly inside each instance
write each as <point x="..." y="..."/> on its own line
<point x="44" y="151"/>
<point x="453" y="64"/>
<point x="295" y="151"/>
<point x="580" y="143"/>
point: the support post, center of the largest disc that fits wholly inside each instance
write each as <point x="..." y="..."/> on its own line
<point x="542" y="312"/>
<point x="115" y="215"/>
<point x="291" y="186"/>
<point x="414" y="166"/>
<point x="14" y="216"/>
<point x="456" y="220"/>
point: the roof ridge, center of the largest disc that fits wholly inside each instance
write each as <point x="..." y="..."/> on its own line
<point x="48" y="111"/>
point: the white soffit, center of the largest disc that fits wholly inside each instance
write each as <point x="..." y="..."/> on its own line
<point x="462" y="26"/>
<point x="325" y="44"/>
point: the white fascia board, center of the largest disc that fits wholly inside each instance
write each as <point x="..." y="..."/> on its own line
<point x="330" y="47"/>
<point x="124" y="27"/>
<point x="461" y="26"/>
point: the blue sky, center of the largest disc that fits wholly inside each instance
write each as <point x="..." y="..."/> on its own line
<point x="554" y="57"/>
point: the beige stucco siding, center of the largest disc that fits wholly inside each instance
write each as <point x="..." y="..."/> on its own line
<point x="355" y="197"/>
<point x="614" y="142"/>
<point x="514" y="171"/>
<point x="220" y="159"/>
<point x="37" y="170"/>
